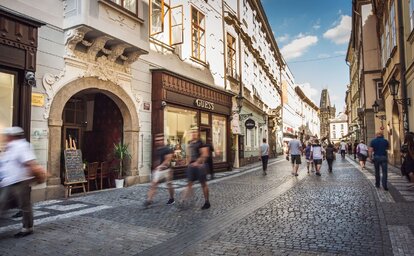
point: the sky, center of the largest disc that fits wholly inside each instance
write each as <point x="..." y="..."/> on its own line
<point x="313" y="37"/>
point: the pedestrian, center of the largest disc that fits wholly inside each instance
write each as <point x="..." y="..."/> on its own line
<point x="362" y="150"/>
<point x="317" y="154"/>
<point x="355" y="149"/>
<point x="295" y="150"/>
<point x="378" y="154"/>
<point x="196" y="170"/>
<point x="349" y="147"/>
<point x="162" y="172"/>
<point x="407" y="167"/>
<point x="309" y="161"/>
<point x="209" y="161"/>
<point x="330" y="155"/>
<point x="264" y="155"/>
<point x="342" y="147"/>
<point x="18" y="166"/>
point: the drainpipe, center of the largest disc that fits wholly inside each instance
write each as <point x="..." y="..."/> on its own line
<point x="403" y="82"/>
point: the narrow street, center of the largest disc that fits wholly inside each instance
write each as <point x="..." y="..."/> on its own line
<point x="336" y="214"/>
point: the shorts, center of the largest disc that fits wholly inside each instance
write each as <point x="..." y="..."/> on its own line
<point x="317" y="161"/>
<point x="197" y="173"/>
<point x="308" y="160"/>
<point x="362" y="157"/>
<point x="296" y="159"/>
<point x="162" y="175"/>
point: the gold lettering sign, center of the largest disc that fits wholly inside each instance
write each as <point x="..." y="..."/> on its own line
<point x="204" y="104"/>
<point x="38" y="99"/>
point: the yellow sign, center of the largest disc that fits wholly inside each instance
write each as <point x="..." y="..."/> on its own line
<point x="38" y="99"/>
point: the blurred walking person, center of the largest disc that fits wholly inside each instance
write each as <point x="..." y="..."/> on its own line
<point x="362" y="151"/>
<point x="330" y="155"/>
<point x="264" y="155"/>
<point x="407" y="167"/>
<point x="197" y="154"/>
<point x="295" y="150"/>
<point x="342" y="147"/>
<point x="317" y="154"/>
<point x="209" y="161"/>
<point x="378" y="154"/>
<point x="309" y="161"/>
<point x="17" y="165"/>
<point x="355" y="149"/>
<point x="162" y="172"/>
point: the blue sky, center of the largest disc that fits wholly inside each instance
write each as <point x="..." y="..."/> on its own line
<point x="313" y="37"/>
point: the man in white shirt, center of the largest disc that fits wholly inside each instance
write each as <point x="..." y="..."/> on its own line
<point x="343" y="147"/>
<point x="318" y="155"/>
<point x="264" y="155"/>
<point x="295" y="150"/>
<point x="17" y="163"/>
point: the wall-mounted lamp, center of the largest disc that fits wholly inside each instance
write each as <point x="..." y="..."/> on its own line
<point x="394" y="85"/>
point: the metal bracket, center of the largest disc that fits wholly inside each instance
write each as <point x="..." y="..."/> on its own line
<point x="406" y="101"/>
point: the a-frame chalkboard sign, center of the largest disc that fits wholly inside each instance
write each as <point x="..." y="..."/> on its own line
<point x="74" y="173"/>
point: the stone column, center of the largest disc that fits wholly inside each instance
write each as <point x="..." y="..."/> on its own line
<point x="54" y="187"/>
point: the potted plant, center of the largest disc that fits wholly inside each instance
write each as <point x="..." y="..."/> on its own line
<point x="121" y="153"/>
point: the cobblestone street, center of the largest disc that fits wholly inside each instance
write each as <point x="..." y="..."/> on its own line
<point x="341" y="213"/>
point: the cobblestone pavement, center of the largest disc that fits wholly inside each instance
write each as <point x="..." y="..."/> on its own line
<point x="336" y="214"/>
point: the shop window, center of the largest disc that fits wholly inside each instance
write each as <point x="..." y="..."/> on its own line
<point x="231" y="56"/>
<point x="177" y="124"/>
<point x="129" y="5"/>
<point x="7" y="94"/>
<point x="219" y="127"/>
<point x="205" y="119"/>
<point x="198" y="37"/>
<point x="166" y="22"/>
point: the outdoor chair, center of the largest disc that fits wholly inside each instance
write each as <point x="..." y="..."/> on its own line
<point x="92" y="174"/>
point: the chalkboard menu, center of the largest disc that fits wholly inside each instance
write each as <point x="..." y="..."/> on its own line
<point x="74" y="167"/>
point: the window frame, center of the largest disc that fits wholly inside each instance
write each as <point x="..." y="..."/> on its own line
<point x="231" y="59"/>
<point x="121" y="6"/>
<point x="151" y="17"/>
<point x="199" y="29"/>
<point x="379" y="86"/>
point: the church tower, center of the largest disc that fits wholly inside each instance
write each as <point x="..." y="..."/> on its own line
<point x="326" y="112"/>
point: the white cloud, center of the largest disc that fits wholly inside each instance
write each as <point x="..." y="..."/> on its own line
<point x="323" y="55"/>
<point x="340" y="33"/>
<point x="298" y="47"/>
<point x="283" y="38"/>
<point x="340" y="52"/>
<point x="309" y="91"/>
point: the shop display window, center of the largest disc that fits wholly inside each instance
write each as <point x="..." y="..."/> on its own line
<point x="177" y="124"/>
<point x="219" y="125"/>
<point x="6" y="99"/>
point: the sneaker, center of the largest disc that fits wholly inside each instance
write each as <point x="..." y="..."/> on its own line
<point x="147" y="203"/>
<point x="264" y="173"/>
<point x="171" y="201"/>
<point x="296" y="174"/>
<point x="206" y="205"/>
<point x="318" y="174"/>
<point x="24" y="233"/>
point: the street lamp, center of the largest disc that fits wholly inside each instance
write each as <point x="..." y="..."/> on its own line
<point x="380" y="117"/>
<point x="394" y="85"/>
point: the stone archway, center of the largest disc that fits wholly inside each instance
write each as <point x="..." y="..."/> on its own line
<point x="396" y="131"/>
<point x="55" y="122"/>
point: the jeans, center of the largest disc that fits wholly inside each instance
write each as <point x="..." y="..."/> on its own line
<point x="383" y="162"/>
<point x="330" y="162"/>
<point x="265" y="159"/>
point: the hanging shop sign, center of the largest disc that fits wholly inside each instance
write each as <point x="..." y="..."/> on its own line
<point x="250" y="124"/>
<point x="204" y="104"/>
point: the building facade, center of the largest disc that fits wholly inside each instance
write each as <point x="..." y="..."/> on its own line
<point x="326" y="112"/>
<point x="338" y="127"/>
<point x="310" y="126"/>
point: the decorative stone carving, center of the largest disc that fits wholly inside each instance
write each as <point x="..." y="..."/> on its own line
<point x="97" y="45"/>
<point x="48" y="81"/>
<point x="73" y="37"/>
<point x="121" y="19"/>
<point x="116" y="51"/>
<point x="102" y="69"/>
<point x="138" y="102"/>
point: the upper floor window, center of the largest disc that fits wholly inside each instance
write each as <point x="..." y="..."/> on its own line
<point x="379" y="90"/>
<point x="231" y="56"/>
<point x="412" y="14"/>
<point x="166" y="22"/>
<point x="129" y="5"/>
<point x="392" y="27"/>
<point x="198" y="32"/>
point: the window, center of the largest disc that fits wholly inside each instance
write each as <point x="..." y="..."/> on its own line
<point x="393" y="42"/>
<point x="412" y="14"/>
<point x="219" y="128"/>
<point x="333" y="127"/>
<point x="166" y="22"/>
<point x="342" y="126"/>
<point x="198" y="31"/>
<point x="231" y="56"/>
<point x="177" y="124"/>
<point x="379" y="90"/>
<point x="7" y="94"/>
<point x="129" y="5"/>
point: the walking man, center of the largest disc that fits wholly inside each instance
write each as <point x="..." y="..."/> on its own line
<point x="342" y="147"/>
<point x="317" y="154"/>
<point x="309" y="161"/>
<point x="17" y="163"/>
<point x="197" y="154"/>
<point x="209" y="146"/>
<point x="378" y="154"/>
<point x="362" y="151"/>
<point x="264" y="155"/>
<point x="330" y="155"/>
<point x="162" y="172"/>
<point x="295" y="150"/>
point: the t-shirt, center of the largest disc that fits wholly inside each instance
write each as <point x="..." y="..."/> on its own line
<point x="380" y="146"/>
<point x="362" y="149"/>
<point x="12" y="160"/>
<point x="317" y="152"/>
<point x="294" y="147"/>
<point x="330" y="152"/>
<point x="343" y="146"/>
<point x="194" y="148"/>
<point x="308" y="152"/>
<point x="162" y="152"/>
<point x="264" y="149"/>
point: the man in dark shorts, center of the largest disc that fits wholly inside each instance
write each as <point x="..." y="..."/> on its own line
<point x="162" y="172"/>
<point x="197" y="154"/>
<point x="295" y="150"/>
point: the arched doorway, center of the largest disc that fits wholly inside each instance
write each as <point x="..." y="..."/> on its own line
<point x="107" y="90"/>
<point x="395" y="143"/>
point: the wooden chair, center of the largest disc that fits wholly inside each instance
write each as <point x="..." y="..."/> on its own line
<point x="105" y="173"/>
<point x="92" y="174"/>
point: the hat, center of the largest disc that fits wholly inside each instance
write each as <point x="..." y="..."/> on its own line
<point x="12" y="131"/>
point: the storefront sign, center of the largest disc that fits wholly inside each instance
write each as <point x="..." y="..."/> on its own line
<point x="38" y="99"/>
<point x="250" y="124"/>
<point x="147" y="106"/>
<point x="204" y="104"/>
